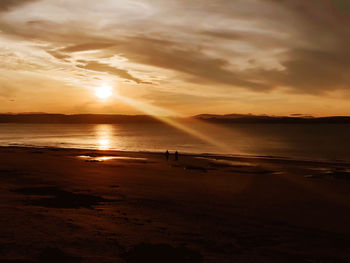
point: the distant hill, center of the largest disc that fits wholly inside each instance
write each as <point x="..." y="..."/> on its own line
<point x="248" y="118"/>
<point x="117" y="118"/>
<point x="76" y="118"/>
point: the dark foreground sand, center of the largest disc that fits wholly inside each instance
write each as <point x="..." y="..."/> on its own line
<point x="56" y="207"/>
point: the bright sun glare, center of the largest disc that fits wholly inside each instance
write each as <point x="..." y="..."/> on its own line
<point x="103" y="92"/>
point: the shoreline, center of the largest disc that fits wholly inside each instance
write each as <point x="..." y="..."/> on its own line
<point x="194" y="154"/>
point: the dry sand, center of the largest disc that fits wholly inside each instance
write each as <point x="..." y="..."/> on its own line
<point x="58" y="207"/>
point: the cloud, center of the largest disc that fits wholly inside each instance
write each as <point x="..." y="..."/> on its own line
<point x="259" y="45"/>
<point x="317" y="71"/>
<point x="87" y="47"/>
<point x="320" y="62"/>
<point x="101" y="67"/>
<point x="198" y="66"/>
<point x="58" y="54"/>
<point x="6" y="5"/>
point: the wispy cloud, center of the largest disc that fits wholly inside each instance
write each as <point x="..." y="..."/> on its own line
<point x="6" y="5"/>
<point x="96" y="66"/>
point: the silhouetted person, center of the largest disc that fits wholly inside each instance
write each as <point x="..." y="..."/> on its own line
<point x="167" y="155"/>
<point x="176" y="156"/>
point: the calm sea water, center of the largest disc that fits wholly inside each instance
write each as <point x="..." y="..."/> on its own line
<point x="321" y="141"/>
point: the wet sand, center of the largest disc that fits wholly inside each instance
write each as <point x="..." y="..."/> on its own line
<point x="66" y="205"/>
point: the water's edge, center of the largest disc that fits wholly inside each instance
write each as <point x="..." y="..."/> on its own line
<point x="213" y="155"/>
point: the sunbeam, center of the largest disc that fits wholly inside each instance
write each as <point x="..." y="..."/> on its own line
<point x="166" y="116"/>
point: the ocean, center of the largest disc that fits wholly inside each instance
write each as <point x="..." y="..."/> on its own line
<point x="296" y="141"/>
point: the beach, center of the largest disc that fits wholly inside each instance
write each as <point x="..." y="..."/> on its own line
<point x="74" y="205"/>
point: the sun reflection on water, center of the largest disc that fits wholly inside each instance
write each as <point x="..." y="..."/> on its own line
<point x="103" y="144"/>
<point x="104" y="134"/>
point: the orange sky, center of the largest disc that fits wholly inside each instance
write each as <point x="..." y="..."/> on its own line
<point x="183" y="57"/>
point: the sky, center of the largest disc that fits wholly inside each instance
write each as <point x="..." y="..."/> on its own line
<point x="276" y="57"/>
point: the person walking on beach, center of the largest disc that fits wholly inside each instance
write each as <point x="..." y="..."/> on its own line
<point x="167" y="155"/>
<point x="176" y="156"/>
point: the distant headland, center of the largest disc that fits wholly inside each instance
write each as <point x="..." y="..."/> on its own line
<point x="118" y="118"/>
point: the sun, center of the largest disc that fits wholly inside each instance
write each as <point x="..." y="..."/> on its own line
<point x="103" y="92"/>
